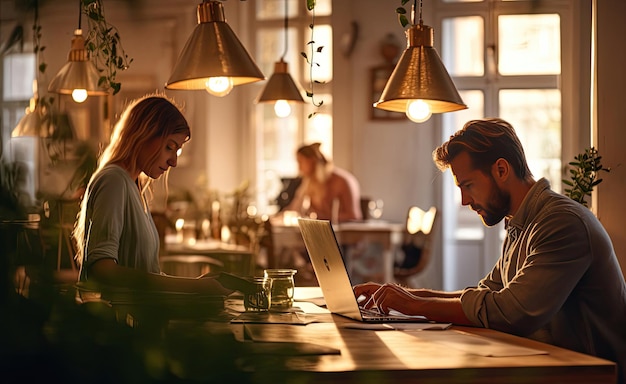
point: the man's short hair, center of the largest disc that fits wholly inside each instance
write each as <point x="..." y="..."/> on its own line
<point x="486" y="141"/>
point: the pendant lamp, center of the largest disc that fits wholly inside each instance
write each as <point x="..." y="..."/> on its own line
<point x="32" y="123"/>
<point x="281" y="89"/>
<point x="420" y="85"/>
<point x="213" y="58"/>
<point x="79" y="76"/>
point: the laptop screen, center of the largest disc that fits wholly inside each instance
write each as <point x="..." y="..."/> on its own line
<point x="330" y="269"/>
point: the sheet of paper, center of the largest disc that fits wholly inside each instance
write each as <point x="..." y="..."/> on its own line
<point x="295" y="318"/>
<point x="421" y="326"/>
<point x="308" y="307"/>
<point x="477" y="345"/>
<point x="307" y="293"/>
<point x="398" y="326"/>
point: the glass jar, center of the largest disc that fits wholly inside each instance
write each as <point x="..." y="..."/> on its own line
<point x="283" y="287"/>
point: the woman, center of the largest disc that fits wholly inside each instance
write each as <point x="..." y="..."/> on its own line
<point x="326" y="192"/>
<point x="117" y="239"/>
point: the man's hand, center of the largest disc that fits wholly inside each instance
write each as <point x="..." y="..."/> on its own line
<point x="363" y="293"/>
<point x="393" y="297"/>
<point x="21" y="281"/>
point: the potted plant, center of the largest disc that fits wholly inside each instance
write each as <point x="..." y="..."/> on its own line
<point x="584" y="175"/>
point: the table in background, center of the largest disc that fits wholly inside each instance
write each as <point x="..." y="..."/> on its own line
<point x="368" y="247"/>
<point x="236" y="259"/>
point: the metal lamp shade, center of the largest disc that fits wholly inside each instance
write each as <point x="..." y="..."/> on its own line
<point x="31" y="124"/>
<point x="213" y="50"/>
<point x="420" y="74"/>
<point x="281" y="86"/>
<point x="78" y="73"/>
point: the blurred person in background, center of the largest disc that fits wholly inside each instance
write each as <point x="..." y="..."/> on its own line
<point x="326" y="192"/>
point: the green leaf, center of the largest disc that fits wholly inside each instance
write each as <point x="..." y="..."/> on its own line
<point x="310" y="5"/>
<point x="309" y="94"/>
<point x="400" y="11"/>
<point x="403" y="20"/>
<point x="319" y="49"/>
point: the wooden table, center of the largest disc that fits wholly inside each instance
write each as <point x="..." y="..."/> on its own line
<point x="330" y="350"/>
<point x="368" y="247"/>
<point x="398" y="357"/>
<point x="391" y="356"/>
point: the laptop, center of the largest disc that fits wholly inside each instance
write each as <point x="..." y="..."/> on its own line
<point x="325" y="254"/>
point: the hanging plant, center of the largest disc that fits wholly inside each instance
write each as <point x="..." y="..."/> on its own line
<point x="584" y="175"/>
<point x="310" y="6"/>
<point x="44" y="102"/>
<point x="401" y="12"/>
<point x="104" y="44"/>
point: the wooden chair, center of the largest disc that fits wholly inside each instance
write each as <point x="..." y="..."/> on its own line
<point x="416" y="245"/>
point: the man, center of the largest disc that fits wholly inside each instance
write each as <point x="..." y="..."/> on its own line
<point x="558" y="279"/>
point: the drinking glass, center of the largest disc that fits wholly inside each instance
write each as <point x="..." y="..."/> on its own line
<point x="259" y="299"/>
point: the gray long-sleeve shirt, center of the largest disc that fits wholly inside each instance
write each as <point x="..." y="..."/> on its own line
<point x="118" y="225"/>
<point x="558" y="280"/>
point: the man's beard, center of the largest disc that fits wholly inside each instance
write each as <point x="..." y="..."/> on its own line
<point x="498" y="206"/>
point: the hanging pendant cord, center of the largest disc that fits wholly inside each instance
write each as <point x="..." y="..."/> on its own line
<point x="285" y="30"/>
<point x="414" y="13"/>
<point x="80" y="9"/>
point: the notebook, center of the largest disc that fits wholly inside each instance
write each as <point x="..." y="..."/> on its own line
<point x="325" y="254"/>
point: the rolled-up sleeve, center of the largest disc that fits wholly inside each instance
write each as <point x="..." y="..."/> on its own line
<point x="472" y="302"/>
<point x="105" y="220"/>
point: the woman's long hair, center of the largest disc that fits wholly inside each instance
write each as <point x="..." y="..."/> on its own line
<point x="144" y="119"/>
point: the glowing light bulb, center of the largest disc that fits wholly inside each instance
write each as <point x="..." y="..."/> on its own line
<point x="79" y="95"/>
<point x="219" y="86"/>
<point x="282" y="108"/>
<point x="418" y="111"/>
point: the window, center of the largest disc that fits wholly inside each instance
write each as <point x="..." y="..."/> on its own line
<point x="18" y="77"/>
<point x="277" y="138"/>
